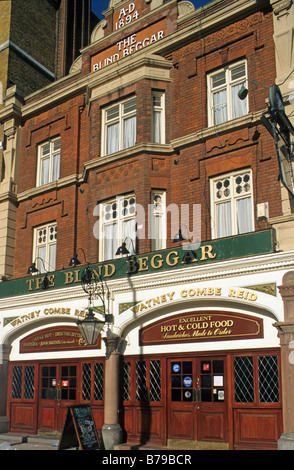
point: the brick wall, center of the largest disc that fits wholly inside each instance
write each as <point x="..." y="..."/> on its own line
<point x="187" y="181"/>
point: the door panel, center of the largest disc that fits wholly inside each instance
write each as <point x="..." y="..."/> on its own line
<point x="181" y="396"/>
<point x="197" y="399"/>
<point x="47" y="420"/>
<point x="211" y="409"/>
<point x="58" y="390"/>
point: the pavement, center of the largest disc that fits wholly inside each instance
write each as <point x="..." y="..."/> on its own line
<point x="21" y="442"/>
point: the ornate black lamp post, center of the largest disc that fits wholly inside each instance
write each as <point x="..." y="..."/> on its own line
<point x="93" y="285"/>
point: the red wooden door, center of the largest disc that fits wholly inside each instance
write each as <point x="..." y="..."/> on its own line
<point x="211" y="401"/>
<point x="58" y="390"/>
<point x="197" y="399"/>
<point x="182" y="423"/>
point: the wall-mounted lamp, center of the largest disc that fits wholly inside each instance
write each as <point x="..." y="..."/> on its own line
<point x="74" y="261"/>
<point x="277" y="123"/>
<point x="34" y="270"/>
<point x="123" y="250"/>
<point x="179" y="236"/>
<point x="93" y="284"/>
<point x="243" y="92"/>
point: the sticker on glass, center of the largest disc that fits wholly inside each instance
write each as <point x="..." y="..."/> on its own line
<point x="187" y="381"/>
<point x="221" y="394"/>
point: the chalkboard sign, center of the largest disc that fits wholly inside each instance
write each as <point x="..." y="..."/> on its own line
<point x="79" y="430"/>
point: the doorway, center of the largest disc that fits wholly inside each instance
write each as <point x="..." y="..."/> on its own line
<point x="58" y="390"/>
<point x="40" y="392"/>
<point x="197" y="400"/>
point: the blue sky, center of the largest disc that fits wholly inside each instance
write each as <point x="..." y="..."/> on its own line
<point x="98" y="6"/>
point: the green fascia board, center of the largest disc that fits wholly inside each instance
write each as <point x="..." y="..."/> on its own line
<point x="235" y="247"/>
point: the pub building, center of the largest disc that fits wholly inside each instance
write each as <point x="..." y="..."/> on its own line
<point x="144" y="167"/>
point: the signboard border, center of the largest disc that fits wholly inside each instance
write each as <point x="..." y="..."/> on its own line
<point x="196" y="339"/>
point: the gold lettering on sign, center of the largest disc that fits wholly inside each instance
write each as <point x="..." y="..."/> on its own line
<point x="206" y="252"/>
<point x="62" y="338"/>
<point x="36" y="283"/>
<point x="152" y="302"/>
<point x="201" y="292"/>
<point x="156" y="261"/>
<point x="174" y="260"/>
<point x="215" y="326"/>
<point x="72" y="277"/>
<point x="240" y="294"/>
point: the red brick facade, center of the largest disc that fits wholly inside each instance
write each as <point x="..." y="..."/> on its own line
<point x="182" y="168"/>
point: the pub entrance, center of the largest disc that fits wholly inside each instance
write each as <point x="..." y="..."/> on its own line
<point x="197" y="400"/>
<point x="40" y="392"/>
<point x="58" y="390"/>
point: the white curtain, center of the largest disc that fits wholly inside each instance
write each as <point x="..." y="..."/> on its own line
<point x="157" y="127"/>
<point x="224" y="219"/>
<point x="110" y="241"/>
<point x="220" y="107"/>
<point x="40" y="253"/>
<point x="112" y="139"/>
<point x="244" y="215"/>
<point x="129" y="132"/>
<point x="239" y="106"/>
<point x="56" y="166"/>
<point x="52" y="257"/>
<point x="44" y="176"/>
<point x="156" y="231"/>
<point x="129" y="231"/>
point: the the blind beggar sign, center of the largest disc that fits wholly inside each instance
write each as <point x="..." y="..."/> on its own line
<point x="205" y="326"/>
<point x="129" y="45"/>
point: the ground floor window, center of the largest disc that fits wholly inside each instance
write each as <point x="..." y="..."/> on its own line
<point x="229" y="397"/>
<point x="147" y="380"/>
<point x="256" y="379"/>
<point x="92" y="381"/>
<point x="23" y="379"/>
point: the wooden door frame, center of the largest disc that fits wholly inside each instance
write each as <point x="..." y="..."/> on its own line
<point x="60" y="404"/>
<point x="195" y="407"/>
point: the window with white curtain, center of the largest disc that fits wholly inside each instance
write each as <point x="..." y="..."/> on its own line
<point x="118" y="225"/>
<point x="158" y="117"/>
<point x="223" y="87"/>
<point x="119" y="126"/>
<point x="48" y="162"/>
<point x="157" y="220"/>
<point x="232" y="204"/>
<point x="45" y="243"/>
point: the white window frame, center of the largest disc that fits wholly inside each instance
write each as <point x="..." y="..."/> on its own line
<point x="113" y="230"/>
<point x="157" y="220"/>
<point x="45" y="245"/>
<point x="229" y="85"/>
<point x="158" y="125"/>
<point x="116" y="115"/>
<point x="238" y="194"/>
<point x="51" y="158"/>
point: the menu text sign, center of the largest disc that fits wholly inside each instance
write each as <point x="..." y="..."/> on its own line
<point x="60" y="338"/>
<point x="202" y="326"/>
